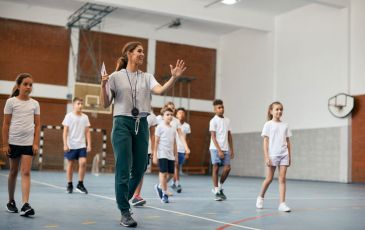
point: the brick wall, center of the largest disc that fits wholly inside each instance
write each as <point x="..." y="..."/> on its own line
<point x="38" y="49"/>
<point x="358" y="140"/>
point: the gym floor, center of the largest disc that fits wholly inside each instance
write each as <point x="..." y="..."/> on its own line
<point x="315" y="205"/>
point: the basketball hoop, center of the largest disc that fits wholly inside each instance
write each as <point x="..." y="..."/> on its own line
<point x="341" y="105"/>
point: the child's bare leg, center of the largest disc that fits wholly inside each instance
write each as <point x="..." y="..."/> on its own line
<point x="268" y="180"/>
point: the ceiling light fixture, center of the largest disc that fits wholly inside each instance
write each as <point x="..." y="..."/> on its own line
<point x="230" y="2"/>
<point x="227" y="2"/>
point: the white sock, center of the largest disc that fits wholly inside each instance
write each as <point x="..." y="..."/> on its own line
<point x="177" y="183"/>
<point x="164" y="192"/>
<point x="216" y="189"/>
<point x="220" y="186"/>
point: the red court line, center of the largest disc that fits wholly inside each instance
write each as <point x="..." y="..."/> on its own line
<point x="247" y="219"/>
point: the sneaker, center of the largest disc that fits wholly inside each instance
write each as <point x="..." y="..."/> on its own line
<point x="138" y="201"/>
<point x="173" y="187"/>
<point x="11" y="207"/>
<point x="221" y="194"/>
<point x="259" y="202"/>
<point x="283" y="208"/>
<point x="165" y="198"/>
<point x="81" y="188"/>
<point x="158" y="191"/>
<point x="26" y="210"/>
<point x="217" y="196"/>
<point x="69" y="188"/>
<point x="178" y="189"/>
<point x="127" y="220"/>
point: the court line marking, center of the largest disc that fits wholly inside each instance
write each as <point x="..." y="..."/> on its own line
<point x="148" y="206"/>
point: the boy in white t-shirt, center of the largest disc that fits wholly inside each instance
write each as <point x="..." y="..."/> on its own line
<point x="221" y="148"/>
<point x="75" y="128"/>
<point x="182" y="155"/>
<point x="165" y="153"/>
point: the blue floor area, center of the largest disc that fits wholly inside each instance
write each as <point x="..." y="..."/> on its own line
<point x="315" y="205"/>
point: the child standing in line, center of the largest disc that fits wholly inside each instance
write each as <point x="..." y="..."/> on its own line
<point x="137" y="200"/>
<point x="276" y="152"/>
<point x="165" y="153"/>
<point x="21" y="127"/>
<point x="75" y="128"/>
<point x="182" y="155"/>
<point x="221" y="148"/>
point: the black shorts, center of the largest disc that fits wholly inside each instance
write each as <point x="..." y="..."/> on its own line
<point x="166" y="166"/>
<point x="18" y="150"/>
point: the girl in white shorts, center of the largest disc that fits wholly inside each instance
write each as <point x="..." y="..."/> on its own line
<point x="276" y="152"/>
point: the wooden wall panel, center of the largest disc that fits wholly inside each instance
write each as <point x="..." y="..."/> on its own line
<point x="201" y="63"/>
<point x="358" y="140"/>
<point x="106" y="48"/>
<point x="38" y="49"/>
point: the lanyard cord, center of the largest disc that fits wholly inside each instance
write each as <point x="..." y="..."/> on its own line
<point x="134" y="95"/>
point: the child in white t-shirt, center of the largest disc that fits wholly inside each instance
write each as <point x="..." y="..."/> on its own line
<point x="21" y="128"/>
<point x="165" y="153"/>
<point x="276" y="152"/>
<point x="221" y="148"/>
<point x="75" y="128"/>
<point x="182" y="155"/>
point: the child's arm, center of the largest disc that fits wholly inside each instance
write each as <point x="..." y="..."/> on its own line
<point x="64" y="138"/>
<point x="154" y="158"/>
<point x="183" y="139"/>
<point x="37" y="129"/>
<point x="152" y="138"/>
<point x="266" y="151"/>
<point x="187" y="155"/>
<point x="215" y="142"/>
<point x="175" y="153"/>
<point x="289" y="150"/>
<point x="230" y="142"/>
<point x="88" y="139"/>
<point x="5" y="132"/>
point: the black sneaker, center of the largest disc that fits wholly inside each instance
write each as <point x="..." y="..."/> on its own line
<point x="217" y="196"/>
<point x="178" y="189"/>
<point x="26" y="210"/>
<point x="11" y="207"/>
<point x="138" y="201"/>
<point x="221" y="194"/>
<point x="81" y="188"/>
<point x="70" y="188"/>
<point x="158" y="191"/>
<point x="127" y="220"/>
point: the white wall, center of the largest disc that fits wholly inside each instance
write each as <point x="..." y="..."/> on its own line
<point x="357" y="47"/>
<point x="311" y="64"/>
<point x="246" y="78"/>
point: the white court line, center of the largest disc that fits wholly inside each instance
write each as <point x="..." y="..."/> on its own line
<point x="152" y="207"/>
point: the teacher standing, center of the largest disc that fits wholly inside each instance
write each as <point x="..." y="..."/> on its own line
<point x="131" y="90"/>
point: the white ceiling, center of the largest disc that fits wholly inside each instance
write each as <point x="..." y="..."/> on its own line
<point x="217" y="19"/>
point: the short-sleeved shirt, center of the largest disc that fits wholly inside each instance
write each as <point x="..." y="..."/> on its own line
<point x="277" y="132"/>
<point x="221" y="127"/>
<point x="152" y="121"/>
<point x="185" y="129"/>
<point x="139" y="83"/>
<point x="167" y="135"/>
<point x="21" y="130"/>
<point x="76" y="129"/>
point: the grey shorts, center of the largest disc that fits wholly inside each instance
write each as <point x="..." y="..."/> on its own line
<point x="279" y="160"/>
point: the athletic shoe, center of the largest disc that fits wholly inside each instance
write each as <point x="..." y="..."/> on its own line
<point x="81" y="188"/>
<point x="173" y="186"/>
<point x="217" y="196"/>
<point x="138" y="201"/>
<point x="283" y="208"/>
<point x="165" y="198"/>
<point x="158" y="191"/>
<point x="69" y="188"/>
<point x="127" y="220"/>
<point x="178" y="189"/>
<point x="26" y="210"/>
<point x="259" y="202"/>
<point x="11" y="207"/>
<point x="221" y="194"/>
